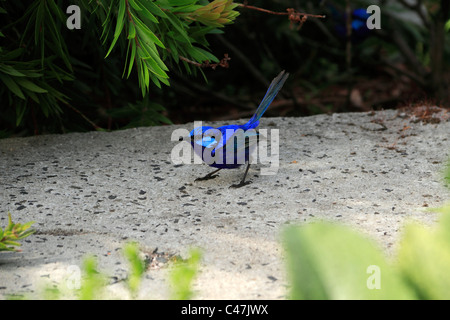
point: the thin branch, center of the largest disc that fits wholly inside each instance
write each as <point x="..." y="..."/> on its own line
<point x="290" y="11"/>
<point x="223" y="63"/>
<point x="96" y="127"/>
<point x="293" y="15"/>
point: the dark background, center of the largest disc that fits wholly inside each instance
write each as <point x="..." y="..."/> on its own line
<point x="405" y="64"/>
<point x="260" y="45"/>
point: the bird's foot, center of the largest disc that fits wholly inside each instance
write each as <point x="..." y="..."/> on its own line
<point x="207" y="177"/>
<point x="240" y="184"/>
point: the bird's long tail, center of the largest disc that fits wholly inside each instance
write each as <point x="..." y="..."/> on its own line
<point x="271" y="93"/>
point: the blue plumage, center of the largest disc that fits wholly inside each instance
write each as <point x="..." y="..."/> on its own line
<point x="214" y="142"/>
<point x="359" y="27"/>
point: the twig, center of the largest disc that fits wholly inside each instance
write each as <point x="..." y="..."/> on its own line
<point x="223" y="63"/>
<point x="293" y="15"/>
<point x="96" y="127"/>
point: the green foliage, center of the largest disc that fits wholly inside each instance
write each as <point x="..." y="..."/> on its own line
<point x="327" y="261"/>
<point x="93" y="282"/>
<point x="29" y="66"/>
<point x="167" y="26"/>
<point x="13" y="233"/>
<point x="51" y="74"/>
<point x="137" y="267"/>
<point x="183" y="274"/>
<point x="424" y="259"/>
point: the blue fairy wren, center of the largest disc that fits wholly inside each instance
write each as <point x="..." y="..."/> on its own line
<point x="359" y="18"/>
<point x="359" y="27"/>
<point x="212" y="143"/>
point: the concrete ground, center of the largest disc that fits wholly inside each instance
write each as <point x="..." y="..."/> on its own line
<point x="91" y="193"/>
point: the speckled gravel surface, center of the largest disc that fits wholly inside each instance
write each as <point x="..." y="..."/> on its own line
<point x="90" y="193"/>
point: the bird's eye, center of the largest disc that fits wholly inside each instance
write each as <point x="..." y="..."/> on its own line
<point x="209" y="138"/>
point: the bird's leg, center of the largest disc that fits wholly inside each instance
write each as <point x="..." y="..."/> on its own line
<point x="209" y="176"/>
<point x="242" y="183"/>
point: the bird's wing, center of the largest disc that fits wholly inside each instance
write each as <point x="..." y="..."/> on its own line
<point x="239" y="144"/>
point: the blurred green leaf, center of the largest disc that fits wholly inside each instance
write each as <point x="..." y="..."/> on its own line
<point x="30" y="85"/>
<point x="10" y="70"/>
<point x="137" y="267"/>
<point x="327" y="261"/>
<point x="7" y="80"/>
<point x="424" y="258"/>
<point x="183" y="274"/>
<point x="93" y="282"/>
